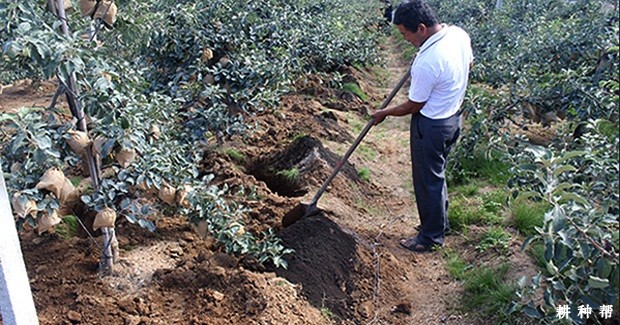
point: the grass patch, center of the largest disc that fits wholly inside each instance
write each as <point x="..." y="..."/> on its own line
<point x="364" y="174"/>
<point x="456" y="266"/>
<point x="355" y="89"/>
<point x="468" y="190"/>
<point x="487" y="293"/>
<point x="367" y="152"/>
<point x="480" y="167"/>
<point x="462" y="214"/>
<point x="290" y="175"/>
<point x="298" y="136"/>
<point x="235" y="155"/>
<point x="494" y="238"/>
<point x="464" y="211"/>
<point x="537" y="252"/>
<point x="382" y="75"/>
<point x="467" y="207"/>
<point x="76" y="180"/>
<point x="68" y="227"/>
<point x="526" y="214"/>
<point x="356" y="124"/>
<point x="494" y="201"/>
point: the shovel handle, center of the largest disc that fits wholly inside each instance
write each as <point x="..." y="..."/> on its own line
<point x="357" y="141"/>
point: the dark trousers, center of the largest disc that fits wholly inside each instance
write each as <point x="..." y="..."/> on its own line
<point x="431" y="141"/>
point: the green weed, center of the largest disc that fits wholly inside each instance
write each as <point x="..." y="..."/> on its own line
<point x="290" y="175"/>
<point x="128" y="247"/>
<point x="355" y="89"/>
<point x="495" y="238"/>
<point x="364" y="174"/>
<point x="234" y="154"/>
<point x="356" y="124"/>
<point x="456" y="266"/>
<point x="76" y="180"/>
<point x="494" y="201"/>
<point x="486" y="291"/>
<point x="367" y="152"/>
<point x="464" y="211"/>
<point x="527" y="214"/>
<point x="469" y="189"/>
<point x="326" y="312"/>
<point x="68" y="227"/>
<point x="461" y="215"/>
<point x="480" y="167"/>
<point x="298" y="136"/>
<point x="537" y="252"/>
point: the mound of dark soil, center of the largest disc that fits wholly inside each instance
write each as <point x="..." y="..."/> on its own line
<point x="323" y="262"/>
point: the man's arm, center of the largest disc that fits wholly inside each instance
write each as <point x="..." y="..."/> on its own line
<point x="406" y="108"/>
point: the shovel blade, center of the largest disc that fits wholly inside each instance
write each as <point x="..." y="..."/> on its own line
<point x="297" y="213"/>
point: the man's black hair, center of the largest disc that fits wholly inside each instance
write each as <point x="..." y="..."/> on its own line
<point x="412" y="13"/>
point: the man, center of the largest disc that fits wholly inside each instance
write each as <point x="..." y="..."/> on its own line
<point x="439" y="76"/>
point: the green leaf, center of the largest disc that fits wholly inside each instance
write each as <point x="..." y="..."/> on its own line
<point x="124" y="123"/>
<point x="539" y="152"/>
<point x="24" y="27"/>
<point x="564" y="186"/>
<point x="528" y="241"/>
<point x="567" y="156"/>
<point x="604" y="268"/>
<point x="563" y="169"/>
<point x="44" y="142"/>
<point x="528" y="194"/>
<point x="531" y="312"/>
<point x="597" y="283"/>
<point x="570" y="196"/>
<point x="551" y="268"/>
<point x="86" y="199"/>
<point x="40" y="157"/>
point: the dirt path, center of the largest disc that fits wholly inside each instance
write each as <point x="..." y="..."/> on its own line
<point x="416" y="283"/>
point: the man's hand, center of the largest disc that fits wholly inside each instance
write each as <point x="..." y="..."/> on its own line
<point x="379" y="116"/>
<point x="405" y="108"/>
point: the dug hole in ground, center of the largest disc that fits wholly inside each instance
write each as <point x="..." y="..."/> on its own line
<point x="347" y="266"/>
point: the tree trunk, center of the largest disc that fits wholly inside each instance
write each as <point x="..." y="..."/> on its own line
<point x="106" y="263"/>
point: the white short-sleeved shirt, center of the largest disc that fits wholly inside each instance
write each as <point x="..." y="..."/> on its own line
<point x="440" y="71"/>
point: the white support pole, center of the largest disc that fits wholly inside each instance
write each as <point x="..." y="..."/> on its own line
<point x="16" y="303"/>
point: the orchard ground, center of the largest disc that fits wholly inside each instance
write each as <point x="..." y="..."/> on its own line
<point x="346" y="268"/>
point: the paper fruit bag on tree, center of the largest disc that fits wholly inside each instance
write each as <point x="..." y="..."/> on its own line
<point x="52" y="180"/>
<point x="167" y="193"/>
<point x="106" y="11"/>
<point x="125" y="157"/>
<point x="22" y="206"/>
<point x="105" y="219"/>
<point x="78" y="141"/>
<point x="47" y="221"/>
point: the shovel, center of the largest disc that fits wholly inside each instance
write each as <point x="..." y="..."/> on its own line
<point x="304" y="210"/>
